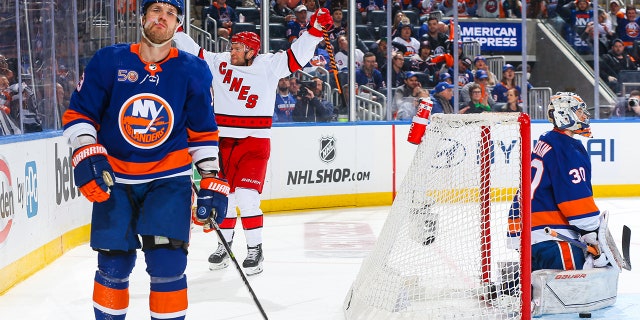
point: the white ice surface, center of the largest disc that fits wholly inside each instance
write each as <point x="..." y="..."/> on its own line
<point x="302" y="279"/>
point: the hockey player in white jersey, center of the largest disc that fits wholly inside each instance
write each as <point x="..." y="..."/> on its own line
<point x="245" y="84"/>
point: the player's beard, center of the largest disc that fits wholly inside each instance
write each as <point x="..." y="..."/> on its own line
<point x="158" y="35"/>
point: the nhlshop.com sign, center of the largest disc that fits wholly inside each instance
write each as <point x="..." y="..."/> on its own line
<point x="493" y="36"/>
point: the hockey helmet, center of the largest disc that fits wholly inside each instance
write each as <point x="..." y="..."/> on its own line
<point x="251" y="40"/>
<point x="564" y="109"/>
<point x="179" y="4"/>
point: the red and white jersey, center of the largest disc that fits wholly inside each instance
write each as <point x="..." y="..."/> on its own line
<point x="244" y="96"/>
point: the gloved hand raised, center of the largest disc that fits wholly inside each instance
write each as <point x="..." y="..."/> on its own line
<point x="92" y="172"/>
<point x="212" y="199"/>
<point x="321" y="18"/>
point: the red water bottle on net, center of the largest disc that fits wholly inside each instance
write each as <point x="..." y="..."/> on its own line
<point x="420" y="120"/>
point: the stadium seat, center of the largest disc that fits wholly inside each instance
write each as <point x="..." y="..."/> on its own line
<point x="277" y="44"/>
<point x="277" y="30"/>
<point x="376" y="17"/>
<point x="243" y="26"/>
<point x="250" y="14"/>
<point x="365" y="32"/>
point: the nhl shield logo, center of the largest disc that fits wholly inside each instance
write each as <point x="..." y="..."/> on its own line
<point x="327" y="149"/>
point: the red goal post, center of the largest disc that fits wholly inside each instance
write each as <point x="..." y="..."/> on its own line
<point x="445" y="250"/>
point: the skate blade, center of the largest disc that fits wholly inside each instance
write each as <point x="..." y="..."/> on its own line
<point x="253" y="270"/>
<point x="218" y="266"/>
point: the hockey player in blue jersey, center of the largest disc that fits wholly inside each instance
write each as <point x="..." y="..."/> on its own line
<point x="562" y="196"/>
<point x="139" y="118"/>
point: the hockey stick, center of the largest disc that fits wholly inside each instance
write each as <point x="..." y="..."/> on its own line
<point x="626" y="240"/>
<point x="591" y="249"/>
<point x="235" y="262"/>
<point x="215" y="226"/>
<point x="332" y="59"/>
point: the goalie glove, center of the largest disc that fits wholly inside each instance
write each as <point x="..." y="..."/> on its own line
<point x="591" y="240"/>
<point x="92" y="172"/>
<point x="212" y="199"/>
<point x="320" y="21"/>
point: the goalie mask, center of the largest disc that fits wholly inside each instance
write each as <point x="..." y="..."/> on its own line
<point x="567" y="111"/>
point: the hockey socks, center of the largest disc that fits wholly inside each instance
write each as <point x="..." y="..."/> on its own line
<point x="110" y="297"/>
<point x="168" y="298"/>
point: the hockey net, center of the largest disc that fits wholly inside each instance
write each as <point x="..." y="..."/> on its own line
<point x="443" y="252"/>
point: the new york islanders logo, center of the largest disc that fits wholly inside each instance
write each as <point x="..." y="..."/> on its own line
<point x="632" y="30"/>
<point x="146" y="120"/>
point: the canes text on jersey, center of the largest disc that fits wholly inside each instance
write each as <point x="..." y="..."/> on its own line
<point x="235" y="84"/>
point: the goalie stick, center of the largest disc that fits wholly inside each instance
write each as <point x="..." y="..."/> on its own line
<point x="215" y="226"/>
<point x="626" y="240"/>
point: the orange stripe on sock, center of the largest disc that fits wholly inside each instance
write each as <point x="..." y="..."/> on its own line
<point x="116" y="299"/>
<point x="168" y="302"/>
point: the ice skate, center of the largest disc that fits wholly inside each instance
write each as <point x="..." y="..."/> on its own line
<point x="220" y="258"/>
<point x="253" y="263"/>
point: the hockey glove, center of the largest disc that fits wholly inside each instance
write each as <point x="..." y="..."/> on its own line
<point x="320" y="21"/>
<point x="212" y="199"/>
<point x="591" y="240"/>
<point x="92" y="172"/>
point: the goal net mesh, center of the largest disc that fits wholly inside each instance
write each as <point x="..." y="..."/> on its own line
<point x="443" y="252"/>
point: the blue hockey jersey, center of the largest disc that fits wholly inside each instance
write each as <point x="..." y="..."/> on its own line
<point x="561" y="191"/>
<point x="153" y="118"/>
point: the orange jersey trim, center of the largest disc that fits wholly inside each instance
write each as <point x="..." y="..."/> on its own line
<point x="173" y="160"/>
<point x="578" y="207"/>
<point x="115" y="299"/>
<point x="546" y="218"/>
<point x="72" y="115"/>
<point x="195" y="136"/>
<point x="567" y="256"/>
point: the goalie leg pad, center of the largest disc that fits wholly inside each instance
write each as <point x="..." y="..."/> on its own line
<point x="111" y="284"/>
<point x="573" y="291"/>
<point x="168" y="297"/>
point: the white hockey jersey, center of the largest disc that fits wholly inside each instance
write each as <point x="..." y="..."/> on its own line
<point x="244" y="96"/>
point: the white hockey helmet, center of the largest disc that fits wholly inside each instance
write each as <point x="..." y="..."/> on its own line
<point x="563" y="113"/>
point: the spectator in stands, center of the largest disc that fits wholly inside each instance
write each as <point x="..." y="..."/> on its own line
<point x="398" y="17"/>
<point x="490" y="9"/>
<point x="507" y="82"/>
<point x="441" y="96"/>
<point x="628" y="107"/>
<point x="224" y="16"/>
<point x="397" y="70"/>
<point x="605" y="34"/>
<point x="537" y="9"/>
<point x="577" y="15"/>
<point x="285" y="102"/>
<point x="478" y="102"/>
<point x="513" y="102"/>
<point x="311" y="7"/>
<point x="613" y="62"/>
<point x="5" y="95"/>
<point x="406" y="92"/>
<point x="294" y="86"/>
<point x="297" y="26"/>
<point x="320" y="59"/>
<point x="437" y="39"/>
<point x="628" y="25"/>
<point x="408" y="109"/>
<point x="379" y="49"/>
<point x="364" y="6"/>
<point x="310" y="105"/>
<point x="480" y="79"/>
<point x="512" y="8"/>
<point x="339" y="24"/>
<point x="465" y="75"/>
<point x="280" y="12"/>
<point x="447" y="7"/>
<point x="480" y="63"/>
<point x="405" y="38"/>
<point x="368" y="75"/>
<point x="4" y="68"/>
<point x="342" y="56"/>
<point x="614" y="11"/>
